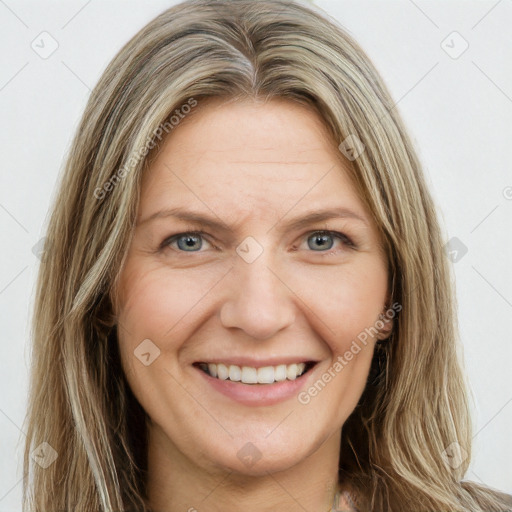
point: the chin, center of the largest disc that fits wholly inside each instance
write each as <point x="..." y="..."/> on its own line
<point x="264" y="455"/>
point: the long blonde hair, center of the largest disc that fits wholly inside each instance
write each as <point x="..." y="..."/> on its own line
<point x="81" y="409"/>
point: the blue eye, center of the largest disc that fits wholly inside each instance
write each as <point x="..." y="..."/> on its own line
<point x="186" y="242"/>
<point x="190" y="242"/>
<point x="318" y="241"/>
<point x="324" y="240"/>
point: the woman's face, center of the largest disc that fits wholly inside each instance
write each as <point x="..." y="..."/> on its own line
<point x="287" y="270"/>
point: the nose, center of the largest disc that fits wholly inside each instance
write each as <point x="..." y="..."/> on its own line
<point x="258" y="300"/>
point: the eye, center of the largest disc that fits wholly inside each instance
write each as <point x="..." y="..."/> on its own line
<point x="318" y="241"/>
<point x="322" y="241"/>
<point x="191" y="241"/>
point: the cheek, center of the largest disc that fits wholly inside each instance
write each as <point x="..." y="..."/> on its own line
<point x="344" y="306"/>
<point x="156" y="302"/>
<point x="346" y="299"/>
<point x="154" y="305"/>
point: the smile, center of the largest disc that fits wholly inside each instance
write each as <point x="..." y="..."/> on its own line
<point x="252" y="375"/>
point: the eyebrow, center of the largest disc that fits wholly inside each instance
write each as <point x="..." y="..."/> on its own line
<point x="212" y="223"/>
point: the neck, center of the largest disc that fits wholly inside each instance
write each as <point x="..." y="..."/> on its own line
<point x="178" y="484"/>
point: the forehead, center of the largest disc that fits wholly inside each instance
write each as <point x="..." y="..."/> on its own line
<point x="252" y="156"/>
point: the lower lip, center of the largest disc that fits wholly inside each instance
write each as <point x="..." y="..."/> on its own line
<point x="258" y="394"/>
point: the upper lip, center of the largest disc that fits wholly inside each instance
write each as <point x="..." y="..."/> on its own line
<point x="258" y="363"/>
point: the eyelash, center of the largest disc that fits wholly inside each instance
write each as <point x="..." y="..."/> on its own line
<point x="336" y="234"/>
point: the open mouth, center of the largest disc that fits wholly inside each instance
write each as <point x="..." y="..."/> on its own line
<point x="252" y="375"/>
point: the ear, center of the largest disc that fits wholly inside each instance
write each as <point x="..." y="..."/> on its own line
<point x="385" y="322"/>
<point x="385" y="331"/>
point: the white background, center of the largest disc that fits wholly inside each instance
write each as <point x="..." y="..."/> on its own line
<point x="458" y="110"/>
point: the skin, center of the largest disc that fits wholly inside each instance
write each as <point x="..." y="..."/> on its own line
<point x="254" y="167"/>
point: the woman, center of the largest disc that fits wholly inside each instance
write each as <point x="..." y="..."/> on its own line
<point x="245" y="303"/>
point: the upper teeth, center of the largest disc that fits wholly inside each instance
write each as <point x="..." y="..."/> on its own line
<point x="251" y="375"/>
